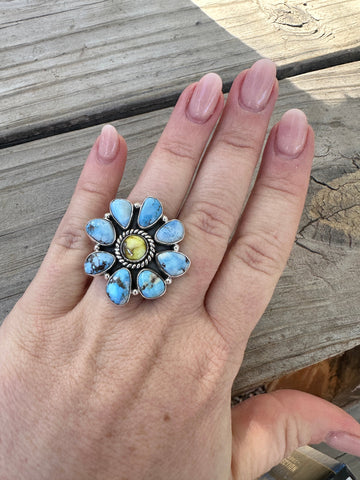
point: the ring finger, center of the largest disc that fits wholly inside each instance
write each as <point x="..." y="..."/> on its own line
<point x="215" y="202"/>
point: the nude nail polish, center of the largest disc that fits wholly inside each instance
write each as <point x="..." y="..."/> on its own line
<point x="109" y="144"/>
<point x="205" y="98"/>
<point x="257" y="85"/>
<point x="291" y="133"/>
<point x="345" y="442"/>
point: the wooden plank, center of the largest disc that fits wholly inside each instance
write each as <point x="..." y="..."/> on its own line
<point x="336" y="379"/>
<point x="288" y="31"/>
<point x="314" y="312"/>
<point x="82" y="62"/>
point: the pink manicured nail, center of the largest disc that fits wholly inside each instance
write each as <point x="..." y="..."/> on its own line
<point x="291" y="133"/>
<point x="109" y="144"/>
<point x="204" y="99"/>
<point x="345" y="442"/>
<point x="257" y="85"/>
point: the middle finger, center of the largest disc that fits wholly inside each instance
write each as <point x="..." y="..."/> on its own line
<point x="215" y="201"/>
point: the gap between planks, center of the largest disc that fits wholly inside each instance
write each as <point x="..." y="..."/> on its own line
<point x="320" y="62"/>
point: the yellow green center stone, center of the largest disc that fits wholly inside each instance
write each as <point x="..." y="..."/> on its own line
<point x="134" y="248"/>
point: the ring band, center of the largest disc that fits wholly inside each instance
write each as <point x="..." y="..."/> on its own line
<point x="137" y="249"/>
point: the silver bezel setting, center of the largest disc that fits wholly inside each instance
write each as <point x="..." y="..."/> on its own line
<point x="156" y="273"/>
<point x="130" y="292"/>
<point x="102" y="271"/>
<point x="131" y="215"/>
<point x="159" y="217"/>
<point x="167" y="273"/>
<point x="167" y="243"/>
<point x="125" y="262"/>
<point x="100" y="243"/>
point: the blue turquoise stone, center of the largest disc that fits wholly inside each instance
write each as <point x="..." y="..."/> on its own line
<point x="101" y="231"/>
<point x="98" y="262"/>
<point x="121" y="210"/>
<point x="151" y="210"/>
<point x="170" y="232"/>
<point x="118" y="286"/>
<point x="173" y="263"/>
<point x="150" y="284"/>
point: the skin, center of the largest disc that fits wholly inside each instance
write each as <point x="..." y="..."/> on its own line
<point x="89" y="390"/>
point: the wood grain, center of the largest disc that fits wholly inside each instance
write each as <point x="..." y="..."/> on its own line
<point x="294" y="30"/>
<point x="71" y="64"/>
<point x="314" y="312"/>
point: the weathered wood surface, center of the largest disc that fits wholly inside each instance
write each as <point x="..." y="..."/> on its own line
<point x="314" y="312"/>
<point x="289" y="30"/>
<point x="350" y="460"/>
<point x="77" y="63"/>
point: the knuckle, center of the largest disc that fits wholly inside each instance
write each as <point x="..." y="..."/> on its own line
<point x="212" y="220"/>
<point x="93" y="190"/>
<point x="282" y="189"/>
<point x="70" y="235"/>
<point x="261" y="253"/>
<point x="177" y="151"/>
<point x="234" y="140"/>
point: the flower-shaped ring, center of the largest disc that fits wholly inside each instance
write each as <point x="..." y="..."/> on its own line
<point x="137" y="250"/>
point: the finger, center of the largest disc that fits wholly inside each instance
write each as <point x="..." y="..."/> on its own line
<point x="170" y="168"/>
<point x="61" y="281"/>
<point x="261" y="245"/>
<point x="268" y="428"/>
<point x="213" y="207"/>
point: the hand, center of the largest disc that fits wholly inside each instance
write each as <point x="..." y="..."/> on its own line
<point x="91" y="390"/>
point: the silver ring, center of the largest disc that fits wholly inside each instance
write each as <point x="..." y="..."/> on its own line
<point x="137" y="249"/>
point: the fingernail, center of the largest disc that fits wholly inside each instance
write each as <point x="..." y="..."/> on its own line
<point x="345" y="442"/>
<point x="109" y="144"/>
<point x="291" y="133"/>
<point x="205" y="97"/>
<point x="257" y="85"/>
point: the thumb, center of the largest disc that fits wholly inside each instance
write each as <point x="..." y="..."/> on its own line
<point x="268" y="428"/>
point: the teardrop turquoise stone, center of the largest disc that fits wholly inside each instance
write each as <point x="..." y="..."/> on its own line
<point x="170" y="232"/>
<point x="150" y="284"/>
<point x="98" y="262"/>
<point x="101" y="231"/>
<point x="118" y="286"/>
<point x="121" y="210"/>
<point x="173" y="263"/>
<point x="150" y="212"/>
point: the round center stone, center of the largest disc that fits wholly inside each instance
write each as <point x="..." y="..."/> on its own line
<point x="134" y="248"/>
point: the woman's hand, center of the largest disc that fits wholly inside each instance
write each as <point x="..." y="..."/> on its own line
<point x="91" y="390"/>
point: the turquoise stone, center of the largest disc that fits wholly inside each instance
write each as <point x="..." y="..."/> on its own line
<point x="101" y="231"/>
<point x="170" y="232"/>
<point x="98" y="262"/>
<point x="118" y="286"/>
<point x="150" y="212"/>
<point x="173" y="263"/>
<point x="121" y="210"/>
<point x="150" y="284"/>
